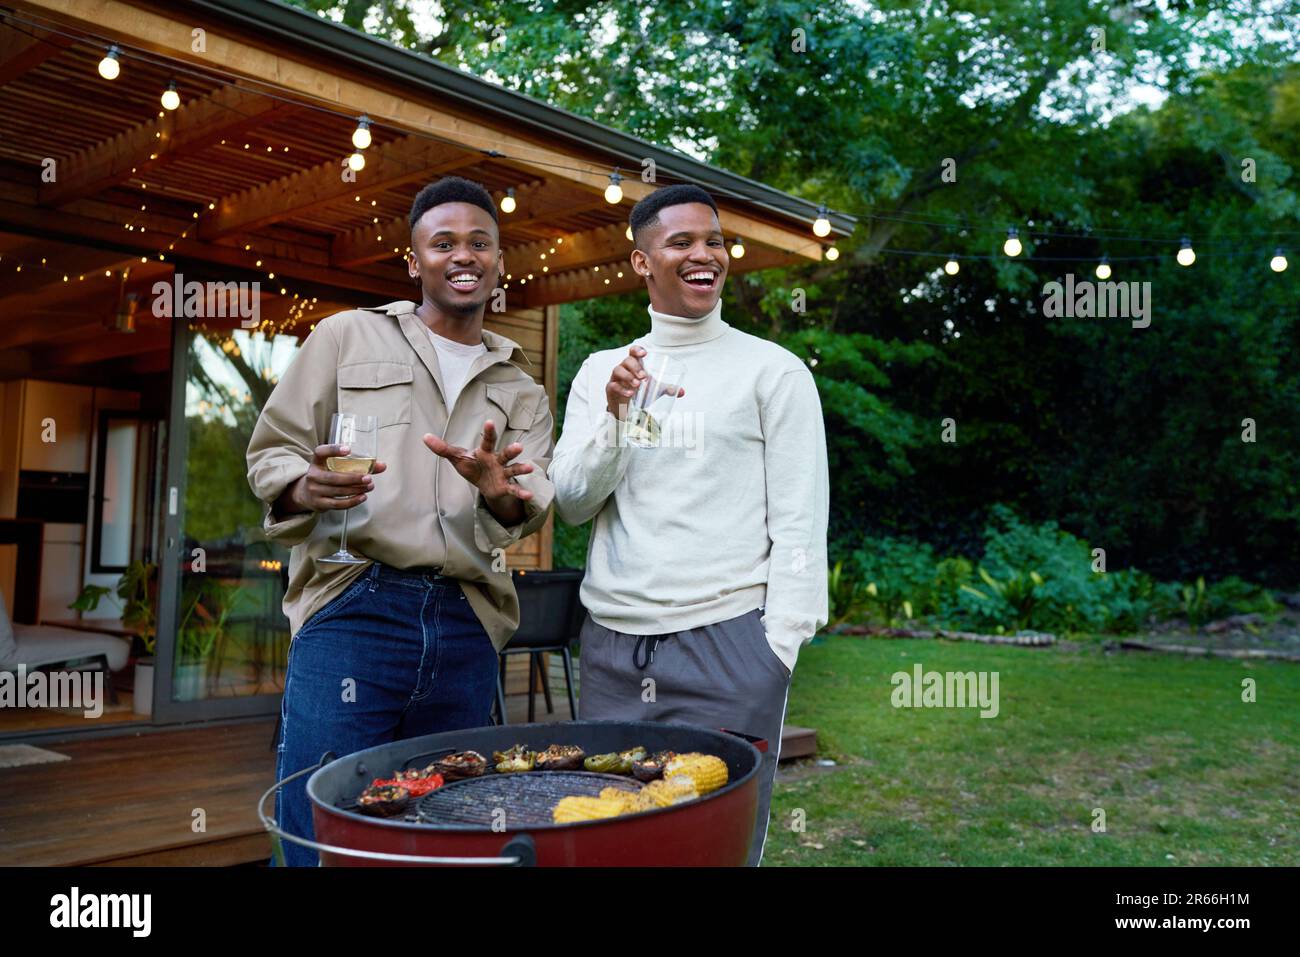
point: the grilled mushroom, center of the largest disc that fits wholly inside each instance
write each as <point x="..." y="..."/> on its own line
<point x="386" y="800"/>
<point x="560" y="757"/>
<point x="650" y="768"/>
<point x="463" y="764"/>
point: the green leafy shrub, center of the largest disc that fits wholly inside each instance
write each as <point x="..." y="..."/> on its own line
<point x="846" y="595"/>
<point x="900" y="577"/>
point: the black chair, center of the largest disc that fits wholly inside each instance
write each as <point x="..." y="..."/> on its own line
<point x="550" y="617"/>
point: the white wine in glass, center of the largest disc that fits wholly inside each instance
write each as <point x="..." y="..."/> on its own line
<point x="361" y="434"/>
<point x="653" y="400"/>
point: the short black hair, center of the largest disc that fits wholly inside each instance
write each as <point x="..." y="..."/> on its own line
<point x="646" y="212"/>
<point x="451" y="189"/>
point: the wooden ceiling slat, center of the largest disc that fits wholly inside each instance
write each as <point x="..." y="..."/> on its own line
<point x="360" y="245"/>
<point x="591" y="247"/>
<point x="394" y="164"/>
<point x="187" y="130"/>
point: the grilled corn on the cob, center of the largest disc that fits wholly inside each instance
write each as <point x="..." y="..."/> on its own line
<point x="707" y="771"/>
<point x="629" y="801"/>
<point x="578" y="808"/>
<point x="665" y="792"/>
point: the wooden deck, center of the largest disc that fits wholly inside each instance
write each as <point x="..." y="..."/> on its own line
<point x="107" y="807"/>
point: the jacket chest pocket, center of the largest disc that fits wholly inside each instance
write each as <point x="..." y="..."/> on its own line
<point x="509" y="411"/>
<point x="378" y="388"/>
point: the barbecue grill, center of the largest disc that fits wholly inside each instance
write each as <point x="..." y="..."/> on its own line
<point x="505" y="819"/>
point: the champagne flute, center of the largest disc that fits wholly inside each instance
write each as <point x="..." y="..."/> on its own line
<point x="361" y="434"/>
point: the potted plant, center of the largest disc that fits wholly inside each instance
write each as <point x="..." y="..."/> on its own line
<point x="137" y="595"/>
<point x="208" y="603"/>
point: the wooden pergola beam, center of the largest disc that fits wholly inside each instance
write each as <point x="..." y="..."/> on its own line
<point x="167" y="35"/>
<point x="110" y="345"/>
<point x="387" y="167"/>
<point x="360" y="246"/>
<point x="35" y="316"/>
<point x="370" y="244"/>
<point x="592" y="247"/>
<point x="25" y="49"/>
<point x="38" y="285"/>
<point x="73" y="228"/>
<point x="182" y="132"/>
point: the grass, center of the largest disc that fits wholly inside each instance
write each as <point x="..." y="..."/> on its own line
<point x="1185" y="771"/>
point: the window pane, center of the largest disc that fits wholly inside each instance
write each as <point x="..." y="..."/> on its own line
<point x="232" y="637"/>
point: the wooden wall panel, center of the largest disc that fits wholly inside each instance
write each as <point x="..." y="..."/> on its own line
<point x="533" y="330"/>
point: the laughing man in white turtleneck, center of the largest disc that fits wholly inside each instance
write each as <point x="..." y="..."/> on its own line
<point x="706" y="569"/>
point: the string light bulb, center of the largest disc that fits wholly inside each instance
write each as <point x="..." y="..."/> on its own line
<point x="1278" y="262"/>
<point x="952" y="267"/>
<point x="832" y="253"/>
<point x="361" y="135"/>
<point x="1103" y="268"/>
<point x="628" y="232"/>
<point x="508" y="201"/>
<point x="1186" y="255"/>
<point x="109" y="67"/>
<point x="614" y="192"/>
<point x="1013" y="247"/>
<point x="170" y="98"/>
<point x="821" y="225"/>
<point x="356" y="162"/>
<point x="738" y="248"/>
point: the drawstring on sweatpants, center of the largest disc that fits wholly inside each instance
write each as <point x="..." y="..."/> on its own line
<point x="650" y="648"/>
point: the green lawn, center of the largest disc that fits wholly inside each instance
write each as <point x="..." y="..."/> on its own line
<point x="1186" y="773"/>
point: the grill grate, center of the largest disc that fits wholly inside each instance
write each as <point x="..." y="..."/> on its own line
<point x="527" y="798"/>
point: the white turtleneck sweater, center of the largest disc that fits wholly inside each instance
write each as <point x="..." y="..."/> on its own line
<point x="727" y="515"/>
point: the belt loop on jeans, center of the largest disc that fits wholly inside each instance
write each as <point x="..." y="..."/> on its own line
<point x="373" y="575"/>
<point x="650" y="648"/>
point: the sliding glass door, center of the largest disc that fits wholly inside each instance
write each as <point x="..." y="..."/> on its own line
<point x="222" y="638"/>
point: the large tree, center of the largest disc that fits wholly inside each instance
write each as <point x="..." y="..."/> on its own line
<point x="1095" y="128"/>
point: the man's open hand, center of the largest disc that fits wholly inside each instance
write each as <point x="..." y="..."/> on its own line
<point x="487" y="469"/>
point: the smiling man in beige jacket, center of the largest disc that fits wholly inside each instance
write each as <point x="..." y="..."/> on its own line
<point x="406" y="644"/>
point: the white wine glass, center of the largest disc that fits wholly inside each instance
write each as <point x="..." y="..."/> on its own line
<point x="361" y="434"/>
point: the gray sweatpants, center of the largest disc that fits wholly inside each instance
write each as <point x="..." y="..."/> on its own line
<point x="717" y="676"/>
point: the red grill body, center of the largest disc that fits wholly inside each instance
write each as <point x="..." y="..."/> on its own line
<point x="714" y="830"/>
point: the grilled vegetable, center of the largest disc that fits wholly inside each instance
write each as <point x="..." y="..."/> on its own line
<point x="518" y="758"/>
<point x="708" y="772"/>
<point x="630" y="756"/>
<point x="560" y="757"/>
<point x="630" y="801"/>
<point x="616" y="762"/>
<point x="385" y="800"/>
<point x="571" y="809"/>
<point x="650" y="768"/>
<point x="416" y="783"/>
<point x="668" y="791"/>
<point x="463" y="764"/>
<point x="603" y="763"/>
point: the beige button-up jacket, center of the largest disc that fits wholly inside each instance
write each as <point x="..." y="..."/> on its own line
<point x="379" y="361"/>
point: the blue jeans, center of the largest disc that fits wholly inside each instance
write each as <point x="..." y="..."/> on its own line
<point x="396" y="655"/>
